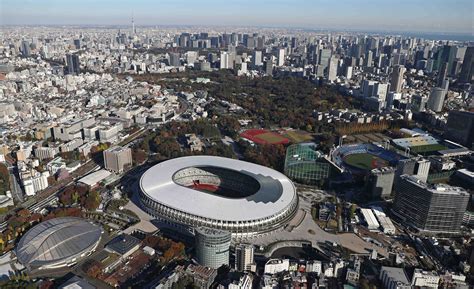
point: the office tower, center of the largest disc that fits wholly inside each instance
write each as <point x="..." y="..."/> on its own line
<point x="381" y="182"/>
<point x="268" y="67"/>
<point x="396" y="80"/>
<point x="436" y="99"/>
<point x="244" y="258"/>
<point x="332" y="68"/>
<point x="280" y="57"/>
<point x="77" y="43"/>
<point x="25" y="48"/>
<point x="417" y="167"/>
<point x="430" y="208"/>
<point x="380" y="90"/>
<point x="261" y="42"/>
<point x="257" y="58"/>
<point x="442" y="74"/>
<point x="467" y="68"/>
<point x="212" y="247"/>
<point x="418" y="103"/>
<point x="184" y="39"/>
<point x="460" y="128"/>
<point x="324" y="55"/>
<point x="224" y="61"/>
<point x="250" y="43"/>
<point x="73" y="64"/>
<point x="117" y="159"/>
<point x="348" y="72"/>
<point x="368" y="59"/>
<point x="174" y="59"/>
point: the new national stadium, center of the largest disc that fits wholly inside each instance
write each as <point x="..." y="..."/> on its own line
<point x="243" y="198"/>
<point x="361" y="158"/>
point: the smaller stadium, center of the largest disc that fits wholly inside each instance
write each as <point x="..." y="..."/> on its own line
<point x="58" y="243"/>
<point x="262" y="137"/>
<point x="361" y="158"/>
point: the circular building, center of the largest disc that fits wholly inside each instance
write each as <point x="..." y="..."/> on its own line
<point x="219" y="193"/>
<point x="212" y="247"/>
<point x="57" y="242"/>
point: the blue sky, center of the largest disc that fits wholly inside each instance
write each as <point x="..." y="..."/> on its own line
<point x="374" y="15"/>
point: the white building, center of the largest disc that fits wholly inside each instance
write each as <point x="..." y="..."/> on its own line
<point x="274" y="266"/>
<point x="425" y="279"/>
<point x="34" y="181"/>
<point x="244" y="258"/>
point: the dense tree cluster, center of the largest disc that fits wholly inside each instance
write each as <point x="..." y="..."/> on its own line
<point x="81" y="195"/>
<point x="170" y="248"/>
<point x="4" y="179"/>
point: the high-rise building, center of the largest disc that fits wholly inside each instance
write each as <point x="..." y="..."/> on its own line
<point x="381" y="182"/>
<point x="174" y="59"/>
<point x="77" y="43"/>
<point x="417" y="167"/>
<point x="324" y="55"/>
<point x="25" y="48"/>
<point x="467" y="68"/>
<point x="332" y="68"/>
<point x="436" y="99"/>
<point x="244" y="258"/>
<point x="280" y="57"/>
<point x="257" y="58"/>
<point x="396" y="80"/>
<point x="73" y="64"/>
<point x="460" y="128"/>
<point x="268" y="67"/>
<point x="225" y="60"/>
<point x="430" y="208"/>
<point x="117" y="159"/>
<point x="212" y="247"/>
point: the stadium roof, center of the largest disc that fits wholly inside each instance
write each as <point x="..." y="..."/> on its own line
<point x="275" y="194"/>
<point x="57" y="240"/>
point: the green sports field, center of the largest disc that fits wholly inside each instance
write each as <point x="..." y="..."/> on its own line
<point x="427" y="148"/>
<point x="365" y="161"/>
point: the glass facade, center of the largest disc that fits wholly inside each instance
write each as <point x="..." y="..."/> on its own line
<point x="306" y="165"/>
<point x="212" y="247"/>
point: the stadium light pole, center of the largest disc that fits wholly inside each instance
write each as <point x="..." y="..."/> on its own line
<point x="341" y="139"/>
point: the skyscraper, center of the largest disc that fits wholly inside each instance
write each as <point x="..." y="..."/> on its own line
<point x="25" y="48"/>
<point x="174" y="59"/>
<point x="460" y="128"/>
<point x="73" y="64"/>
<point x="281" y="57"/>
<point x="332" y="68"/>
<point x="257" y="58"/>
<point x="268" y="67"/>
<point x="397" y="78"/>
<point x="467" y="68"/>
<point x="430" y="208"/>
<point x="436" y="99"/>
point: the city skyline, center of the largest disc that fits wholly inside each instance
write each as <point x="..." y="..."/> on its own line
<point x="448" y="17"/>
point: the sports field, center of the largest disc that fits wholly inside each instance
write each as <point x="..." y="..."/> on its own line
<point x="365" y="161"/>
<point x="427" y="148"/>
<point x="261" y="136"/>
<point x="298" y="136"/>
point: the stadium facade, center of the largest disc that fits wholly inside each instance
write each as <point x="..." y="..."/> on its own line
<point x="242" y="198"/>
<point x="58" y="243"/>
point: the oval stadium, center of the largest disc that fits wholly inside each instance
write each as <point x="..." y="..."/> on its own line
<point x="221" y="193"/>
<point x="57" y="243"/>
<point x="361" y="158"/>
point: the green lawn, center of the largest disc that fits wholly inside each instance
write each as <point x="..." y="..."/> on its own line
<point x="365" y="161"/>
<point x="427" y="148"/>
<point x="298" y="136"/>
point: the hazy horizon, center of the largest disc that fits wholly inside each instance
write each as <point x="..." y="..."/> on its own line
<point x="436" y="16"/>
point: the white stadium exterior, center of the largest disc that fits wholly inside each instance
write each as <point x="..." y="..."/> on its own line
<point x="243" y="198"/>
